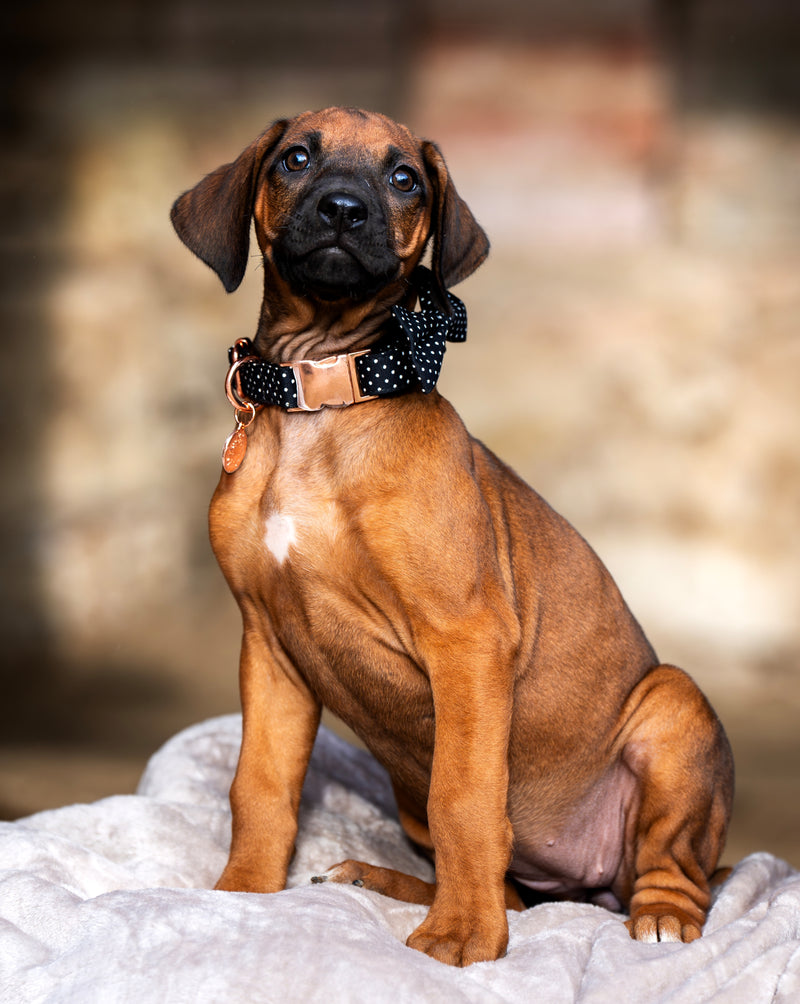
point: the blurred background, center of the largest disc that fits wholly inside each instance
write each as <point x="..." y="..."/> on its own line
<point x="633" y="350"/>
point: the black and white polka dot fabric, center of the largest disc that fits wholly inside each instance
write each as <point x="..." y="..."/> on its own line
<point x="386" y="372"/>
<point x="408" y="357"/>
<point x="267" y="383"/>
<point x="428" y="329"/>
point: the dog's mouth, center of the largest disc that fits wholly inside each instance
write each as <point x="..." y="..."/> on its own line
<point x="332" y="271"/>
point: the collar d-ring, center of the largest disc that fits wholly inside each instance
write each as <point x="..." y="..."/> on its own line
<point x="233" y="388"/>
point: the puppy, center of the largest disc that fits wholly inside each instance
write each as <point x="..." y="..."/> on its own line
<point x="389" y="567"/>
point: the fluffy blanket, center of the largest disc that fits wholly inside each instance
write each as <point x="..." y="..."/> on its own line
<point x="111" y="902"/>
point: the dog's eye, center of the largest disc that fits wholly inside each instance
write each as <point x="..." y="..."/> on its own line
<point x="296" y="159"/>
<point x="403" y="179"/>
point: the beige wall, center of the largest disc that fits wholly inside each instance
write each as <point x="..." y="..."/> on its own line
<point x="633" y="352"/>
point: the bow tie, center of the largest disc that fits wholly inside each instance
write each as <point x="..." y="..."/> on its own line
<point x="427" y="329"/>
<point x="408" y="357"/>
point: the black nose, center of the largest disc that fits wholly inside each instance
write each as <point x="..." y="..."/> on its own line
<point x="342" y="211"/>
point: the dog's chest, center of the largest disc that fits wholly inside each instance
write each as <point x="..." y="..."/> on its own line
<point x="308" y="523"/>
<point x="280" y="535"/>
<point x="344" y="630"/>
<point x="303" y="535"/>
<point x="285" y="503"/>
<point x="291" y="534"/>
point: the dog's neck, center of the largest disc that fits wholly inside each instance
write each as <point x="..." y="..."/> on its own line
<point x="408" y="357"/>
<point x="292" y="327"/>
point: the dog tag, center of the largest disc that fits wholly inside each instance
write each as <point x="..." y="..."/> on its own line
<point x="236" y="444"/>
<point x="234" y="450"/>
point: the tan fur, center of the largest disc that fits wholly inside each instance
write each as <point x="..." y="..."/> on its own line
<point x="390" y="567"/>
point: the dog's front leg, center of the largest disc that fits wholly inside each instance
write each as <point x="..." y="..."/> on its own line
<point x="279" y="722"/>
<point x="467" y="809"/>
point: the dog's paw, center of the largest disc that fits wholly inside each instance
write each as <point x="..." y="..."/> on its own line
<point x="346" y="873"/>
<point x="663" y="925"/>
<point x="386" y="881"/>
<point x="236" y="878"/>
<point x="461" y="942"/>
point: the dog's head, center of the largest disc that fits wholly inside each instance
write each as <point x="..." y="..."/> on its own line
<point x="344" y="203"/>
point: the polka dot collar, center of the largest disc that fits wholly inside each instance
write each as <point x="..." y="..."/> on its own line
<point x="408" y="357"/>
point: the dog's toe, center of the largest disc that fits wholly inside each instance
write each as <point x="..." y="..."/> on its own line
<point x="345" y="873"/>
<point x="650" y="927"/>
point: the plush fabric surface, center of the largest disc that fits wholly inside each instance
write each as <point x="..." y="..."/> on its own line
<point x="112" y="902"/>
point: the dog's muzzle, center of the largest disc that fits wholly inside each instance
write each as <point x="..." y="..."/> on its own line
<point x="336" y="244"/>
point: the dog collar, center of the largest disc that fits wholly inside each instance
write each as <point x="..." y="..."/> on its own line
<point x="409" y="357"/>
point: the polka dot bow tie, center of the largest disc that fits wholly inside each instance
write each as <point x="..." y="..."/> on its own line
<point x="429" y="328"/>
<point x="408" y="357"/>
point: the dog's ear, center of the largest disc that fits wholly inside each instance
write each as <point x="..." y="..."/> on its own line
<point x="459" y="242"/>
<point x="213" y="218"/>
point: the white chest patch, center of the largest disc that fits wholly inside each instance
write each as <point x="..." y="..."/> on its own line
<point x="280" y="536"/>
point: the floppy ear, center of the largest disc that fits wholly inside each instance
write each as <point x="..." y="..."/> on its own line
<point x="213" y="218"/>
<point x="459" y="242"/>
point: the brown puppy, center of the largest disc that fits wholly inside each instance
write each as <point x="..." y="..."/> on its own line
<point x="391" y="568"/>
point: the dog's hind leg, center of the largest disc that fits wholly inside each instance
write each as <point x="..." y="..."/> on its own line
<point x="397" y="885"/>
<point x="676" y="747"/>
<point x="386" y="881"/>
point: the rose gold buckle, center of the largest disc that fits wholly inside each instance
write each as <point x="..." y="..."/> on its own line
<point x="328" y="383"/>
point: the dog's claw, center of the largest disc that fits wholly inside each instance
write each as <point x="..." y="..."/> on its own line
<point x="324" y="878"/>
